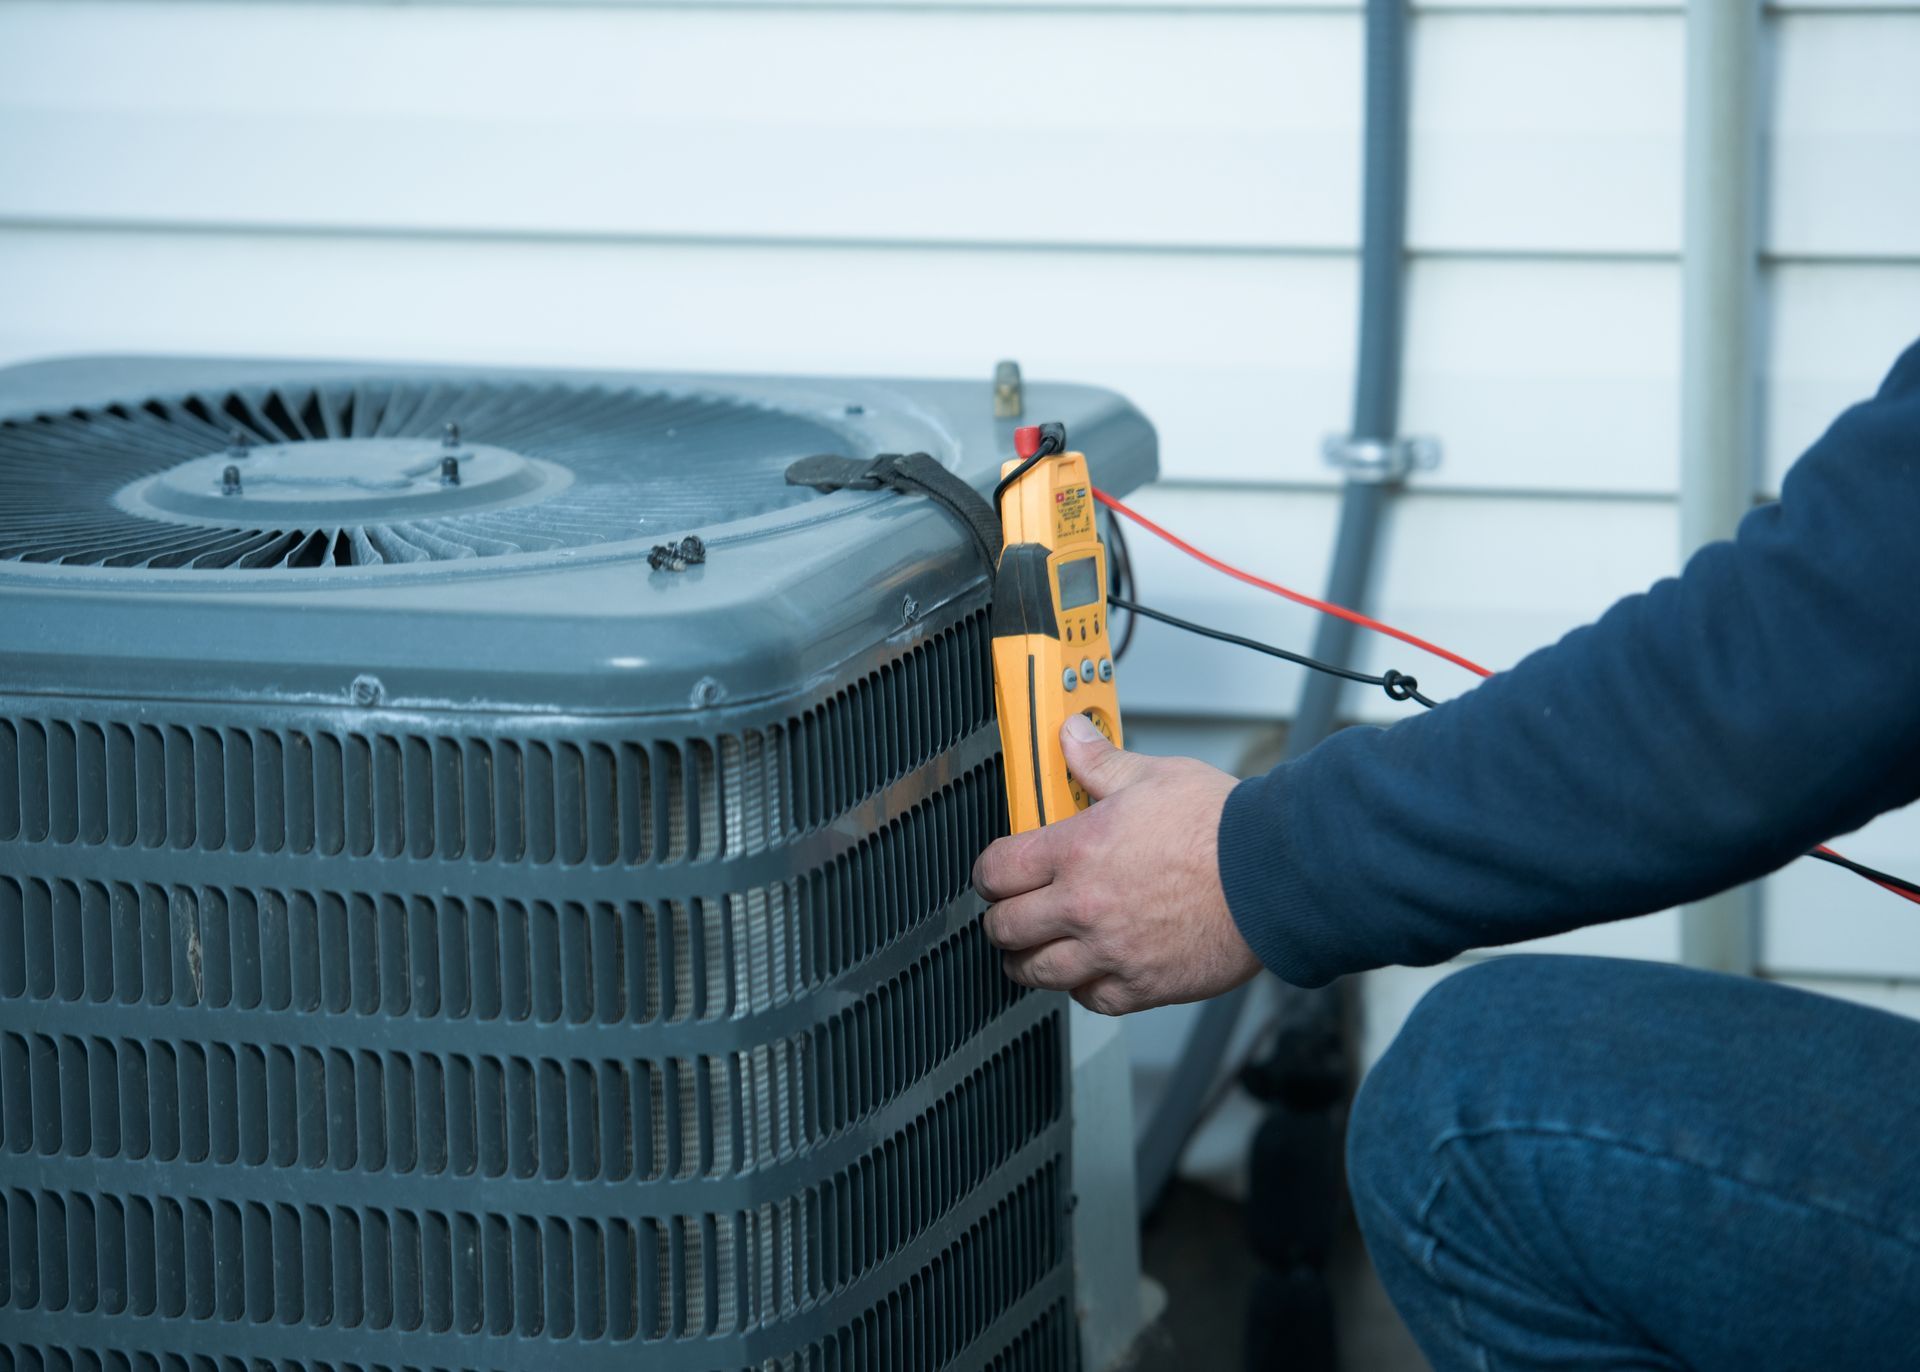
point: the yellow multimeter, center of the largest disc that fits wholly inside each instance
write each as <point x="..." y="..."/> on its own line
<point x="1051" y="658"/>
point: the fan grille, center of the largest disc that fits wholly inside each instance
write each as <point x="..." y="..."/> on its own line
<point x="140" y="484"/>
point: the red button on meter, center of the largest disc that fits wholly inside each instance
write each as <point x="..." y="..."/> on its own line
<point x="1026" y="440"/>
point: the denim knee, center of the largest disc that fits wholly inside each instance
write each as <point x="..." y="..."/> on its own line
<point x="1578" y="1160"/>
<point x="1518" y="1038"/>
<point x="1472" y="1039"/>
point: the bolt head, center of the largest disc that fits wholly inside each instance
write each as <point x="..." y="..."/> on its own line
<point x="367" y="690"/>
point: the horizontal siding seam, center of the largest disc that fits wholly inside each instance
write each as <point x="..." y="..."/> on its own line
<point x="1788" y="257"/>
<point x="1178" y="8"/>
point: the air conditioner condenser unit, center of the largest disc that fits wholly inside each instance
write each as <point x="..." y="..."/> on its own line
<point x="435" y="933"/>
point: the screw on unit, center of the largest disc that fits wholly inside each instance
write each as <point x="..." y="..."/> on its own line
<point x="707" y="693"/>
<point x="677" y="557"/>
<point x="910" y="610"/>
<point x="230" y="481"/>
<point x="450" y="436"/>
<point x="1009" y="394"/>
<point x="449" y="470"/>
<point x="367" y="690"/>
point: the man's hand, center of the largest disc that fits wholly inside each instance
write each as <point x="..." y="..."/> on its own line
<point x="1120" y="904"/>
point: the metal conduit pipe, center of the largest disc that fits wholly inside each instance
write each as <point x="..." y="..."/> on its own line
<point x="1374" y="434"/>
<point x="1719" y="270"/>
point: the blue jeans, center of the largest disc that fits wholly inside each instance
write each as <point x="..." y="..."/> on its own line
<point x="1579" y="1163"/>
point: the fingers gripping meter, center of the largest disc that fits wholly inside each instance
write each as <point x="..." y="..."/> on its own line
<point x="1051" y="656"/>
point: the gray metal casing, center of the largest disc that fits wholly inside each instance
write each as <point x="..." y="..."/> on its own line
<point x="608" y="991"/>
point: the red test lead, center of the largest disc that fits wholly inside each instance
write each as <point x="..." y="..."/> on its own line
<point x="1883" y="880"/>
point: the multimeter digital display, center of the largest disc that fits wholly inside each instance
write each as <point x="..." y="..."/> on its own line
<point x="1051" y="656"/>
<point x="1079" y="582"/>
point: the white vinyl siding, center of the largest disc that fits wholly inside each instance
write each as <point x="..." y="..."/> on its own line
<point x="1159" y="197"/>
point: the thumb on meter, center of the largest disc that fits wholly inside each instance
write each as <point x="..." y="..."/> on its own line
<point x="1095" y="763"/>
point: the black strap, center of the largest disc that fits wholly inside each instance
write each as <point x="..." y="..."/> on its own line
<point x="916" y="473"/>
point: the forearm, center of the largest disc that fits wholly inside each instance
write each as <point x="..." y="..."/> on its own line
<point x="1698" y="735"/>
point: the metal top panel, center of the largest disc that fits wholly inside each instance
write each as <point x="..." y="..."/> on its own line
<point x="794" y="584"/>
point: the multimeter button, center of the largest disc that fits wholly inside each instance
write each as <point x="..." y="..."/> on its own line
<point x="1086" y="669"/>
<point x="1070" y="679"/>
<point x="1106" y="669"/>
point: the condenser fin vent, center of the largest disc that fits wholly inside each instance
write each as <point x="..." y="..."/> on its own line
<point x="386" y="472"/>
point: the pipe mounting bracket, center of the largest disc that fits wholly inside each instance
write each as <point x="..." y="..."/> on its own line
<point x="1376" y="459"/>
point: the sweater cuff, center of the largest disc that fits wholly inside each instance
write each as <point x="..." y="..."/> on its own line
<point x="1272" y="900"/>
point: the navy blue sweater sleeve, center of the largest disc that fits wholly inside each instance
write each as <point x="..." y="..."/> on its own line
<point x="1696" y="736"/>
